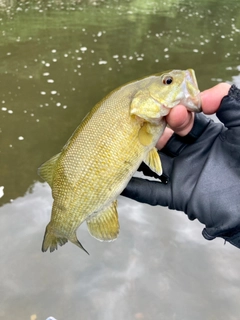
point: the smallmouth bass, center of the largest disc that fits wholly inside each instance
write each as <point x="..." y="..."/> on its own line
<point x="104" y="152"/>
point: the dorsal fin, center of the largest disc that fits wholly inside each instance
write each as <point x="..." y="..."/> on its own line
<point x="46" y="170"/>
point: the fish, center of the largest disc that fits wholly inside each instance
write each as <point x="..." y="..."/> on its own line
<point x="105" y="151"/>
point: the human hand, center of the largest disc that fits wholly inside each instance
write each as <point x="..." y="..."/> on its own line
<point x="201" y="165"/>
<point x="180" y="120"/>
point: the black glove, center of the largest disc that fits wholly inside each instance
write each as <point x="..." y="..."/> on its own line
<point x="202" y="171"/>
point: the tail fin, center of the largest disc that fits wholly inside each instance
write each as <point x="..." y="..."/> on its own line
<point x="75" y="240"/>
<point x="51" y="241"/>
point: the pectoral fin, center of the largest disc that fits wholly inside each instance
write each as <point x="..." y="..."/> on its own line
<point x="105" y="226"/>
<point x="153" y="161"/>
<point x="47" y="169"/>
<point x="144" y="136"/>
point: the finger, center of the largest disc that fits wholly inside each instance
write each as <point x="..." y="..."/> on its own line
<point x="180" y="120"/>
<point x="211" y="98"/>
<point x="176" y="144"/>
<point x="145" y="191"/>
<point x="164" y="138"/>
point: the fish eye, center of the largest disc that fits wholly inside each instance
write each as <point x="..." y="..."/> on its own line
<point x="167" y="80"/>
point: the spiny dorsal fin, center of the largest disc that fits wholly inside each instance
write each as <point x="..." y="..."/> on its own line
<point x="46" y="170"/>
<point x="105" y="226"/>
<point x="153" y="161"/>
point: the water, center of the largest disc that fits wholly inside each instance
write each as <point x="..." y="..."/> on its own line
<point x="57" y="61"/>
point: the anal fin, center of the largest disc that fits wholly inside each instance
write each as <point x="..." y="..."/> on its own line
<point x="105" y="225"/>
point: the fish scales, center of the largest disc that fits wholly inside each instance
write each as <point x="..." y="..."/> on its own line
<point x="106" y="149"/>
<point x="97" y="159"/>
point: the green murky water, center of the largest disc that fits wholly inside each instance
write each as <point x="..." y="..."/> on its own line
<point x="57" y="59"/>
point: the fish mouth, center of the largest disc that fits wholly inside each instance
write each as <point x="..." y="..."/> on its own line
<point x="192" y="97"/>
<point x="193" y="103"/>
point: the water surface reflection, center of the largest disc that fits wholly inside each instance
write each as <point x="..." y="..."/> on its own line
<point x="159" y="265"/>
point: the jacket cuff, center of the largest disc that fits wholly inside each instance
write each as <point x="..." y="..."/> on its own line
<point x="229" y="111"/>
<point x="234" y="240"/>
<point x="234" y="92"/>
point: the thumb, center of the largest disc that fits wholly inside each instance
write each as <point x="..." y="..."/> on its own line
<point x="146" y="191"/>
<point x="211" y="98"/>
